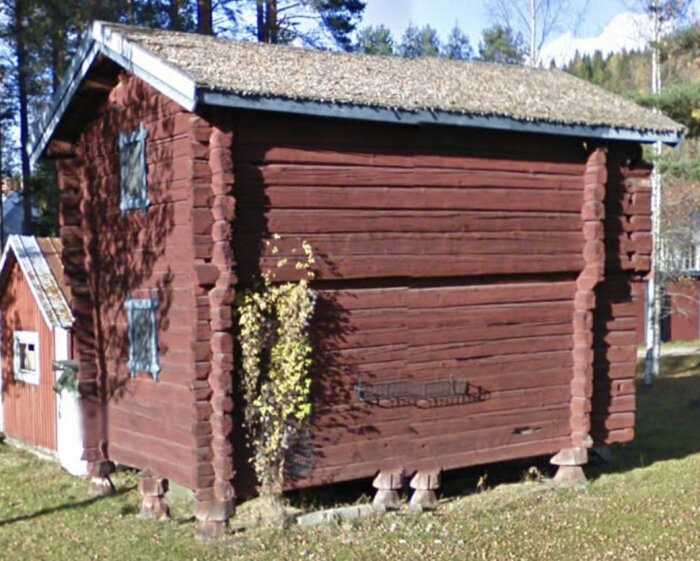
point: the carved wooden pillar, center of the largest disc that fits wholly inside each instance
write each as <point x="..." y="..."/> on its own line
<point x="153" y="490"/>
<point x="387" y="484"/>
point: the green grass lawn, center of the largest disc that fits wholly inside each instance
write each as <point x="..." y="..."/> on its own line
<point x="645" y="506"/>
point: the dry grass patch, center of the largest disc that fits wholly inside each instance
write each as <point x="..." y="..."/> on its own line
<point x="646" y="506"/>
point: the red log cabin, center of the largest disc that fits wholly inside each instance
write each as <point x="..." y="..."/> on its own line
<point x="481" y="227"/>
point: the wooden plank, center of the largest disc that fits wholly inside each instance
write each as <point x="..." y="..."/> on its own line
<point x="442" y="335"/>
<point x="542" y="396"/>
<point x="366" y="176"/>
<point x="348" y="244"/>
<point x="451" y="460"/>
<point x="519" y="420"/>
<point x="434" y="445"/>
<point x="436" y="198"/>
<point x="309" y="221"/>
<point x="421" y="266"/>
<point x="451" y="295"/>
<point x="358" y="156"/>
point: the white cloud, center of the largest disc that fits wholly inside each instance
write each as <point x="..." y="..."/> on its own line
<point x="627" y="30"/>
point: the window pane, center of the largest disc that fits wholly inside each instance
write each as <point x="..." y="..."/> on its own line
<point x="27" y="357"/>
<point x="142" y="331"/>
<point x="134" y="172"/>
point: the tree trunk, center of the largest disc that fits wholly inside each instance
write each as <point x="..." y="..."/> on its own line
<point x="261" y="20"/>
<point x="21" y="61"/>
<point x="58" y="48"/>
<point x="533" y="34"/>
<point x="272" y="20"/>
<point x="652" y="365"/>
<point x="205" y="23"/>
<point x="2" y="193"/>
<point x="174" y="10"/>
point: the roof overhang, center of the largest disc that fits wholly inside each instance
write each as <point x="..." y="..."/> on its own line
<point x="182" y="88"/>
<point x="425" y="117"/>
<point x="46" y="292"/>
<point x="101" y="39"/>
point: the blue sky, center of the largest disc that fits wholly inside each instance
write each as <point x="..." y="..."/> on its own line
<point x="473" y="17"/>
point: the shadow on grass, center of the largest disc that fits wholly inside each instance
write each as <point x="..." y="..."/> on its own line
<point x="65" y="506"/>
<point x="668" y="417"/>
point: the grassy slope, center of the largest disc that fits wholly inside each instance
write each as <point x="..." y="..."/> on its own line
<point x="647" y="506"/>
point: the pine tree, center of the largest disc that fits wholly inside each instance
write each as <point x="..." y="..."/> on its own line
<point x="499" y="44"/>
<point x="419" y="42"/>
<point x="375" y="41"/>
<point x="280" y="21"/>
<point x="457" y="46"/>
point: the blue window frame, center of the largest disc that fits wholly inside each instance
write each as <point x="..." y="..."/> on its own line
<point x="133" y="172"/>
<point x="143" y="336"/>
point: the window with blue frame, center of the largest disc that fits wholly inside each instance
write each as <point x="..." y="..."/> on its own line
<point x="133" y="172"/>
<point x="143" y="336"/>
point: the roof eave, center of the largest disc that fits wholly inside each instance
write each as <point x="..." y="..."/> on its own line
<point x="425" y="117"/>
<point x="20" y="246"/>
<point x="101" y="39"/>
<point x="49" y="121"/>
<point x="180" y="87"/>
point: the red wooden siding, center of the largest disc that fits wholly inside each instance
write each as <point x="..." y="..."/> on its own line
<point x="407" y="202"/>
<point x="30" y="410"/>
<point x="149" y="425"/>
<point x="512" y="342"/>
<point x="618" y="300"/>
<point x="443" y="254"/>
<point x="683" y="304"/>
<point x="440" y="246"/>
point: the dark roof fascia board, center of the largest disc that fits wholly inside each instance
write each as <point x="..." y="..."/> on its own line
<point x="425" y="117"/>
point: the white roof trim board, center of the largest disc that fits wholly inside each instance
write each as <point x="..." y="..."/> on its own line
<point x="152" y="56"/>
<point x="45" y="289"/>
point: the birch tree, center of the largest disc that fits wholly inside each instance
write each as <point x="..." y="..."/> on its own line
<point x="536" y="20"/>
<point x="660" y="12"/>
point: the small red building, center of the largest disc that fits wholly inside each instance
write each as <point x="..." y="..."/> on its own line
<point x="480" y="227"/>
<point x="36" y="331"/>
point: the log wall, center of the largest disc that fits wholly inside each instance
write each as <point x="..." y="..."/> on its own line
<point x="110" y="256"/>
<point x="445" y="254"/>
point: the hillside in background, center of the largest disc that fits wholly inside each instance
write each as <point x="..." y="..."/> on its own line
<point x="629" y="74"/>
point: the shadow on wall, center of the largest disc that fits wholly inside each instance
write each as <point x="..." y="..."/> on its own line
<point x="613" y="343"/>
<point x="125" y="251"/>
<point x="333" y="379"/>
<point x="9" y="323"/>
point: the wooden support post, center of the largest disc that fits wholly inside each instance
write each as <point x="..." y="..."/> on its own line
<point x="100" y="483"/>
<point x="153" y="490"/>
<point x="213" y="517"/>
<point x="424" y="484"/>
<point x="387" y="484"/>
<point x="570" y="462"/>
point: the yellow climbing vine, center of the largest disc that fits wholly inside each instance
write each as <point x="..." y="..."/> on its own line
<point x="274" y="332"/>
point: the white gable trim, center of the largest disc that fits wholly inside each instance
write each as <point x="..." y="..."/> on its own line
<point x="45" y="290"/>
<point x="101" y="38"/>
<point x="167" y="79"/>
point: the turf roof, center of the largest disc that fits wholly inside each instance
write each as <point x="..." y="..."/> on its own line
<point x="467" y="88"/>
